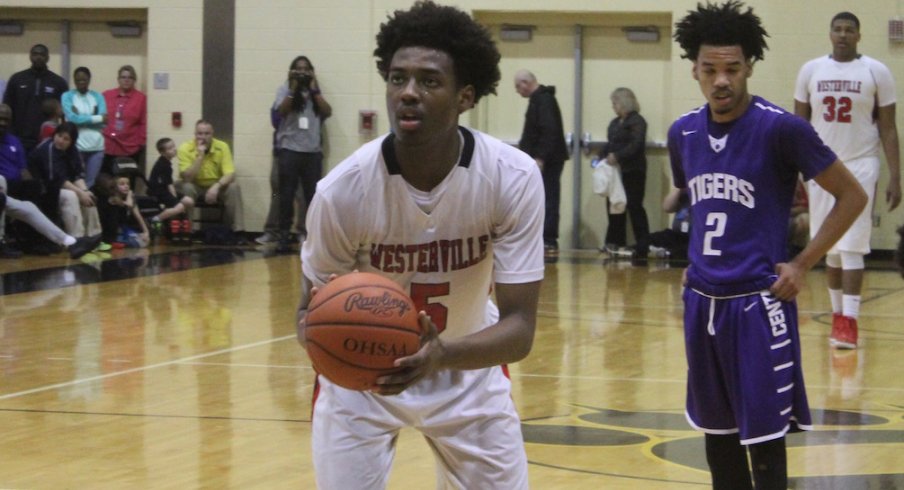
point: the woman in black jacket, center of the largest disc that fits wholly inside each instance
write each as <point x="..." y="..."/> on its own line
<point x="625" y="149"/>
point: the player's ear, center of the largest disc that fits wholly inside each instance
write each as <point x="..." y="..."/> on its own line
<point x="694" y="71"/>
<point x="749" y="69"/>
<point x="465" y="98"/>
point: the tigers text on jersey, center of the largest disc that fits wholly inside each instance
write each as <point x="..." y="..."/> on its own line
<point x="741" y="178"/>
<point x="483" y="223"/>
<point x="842" y="98"/>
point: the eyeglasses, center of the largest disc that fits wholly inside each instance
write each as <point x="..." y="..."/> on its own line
<point x="127" y="77"/>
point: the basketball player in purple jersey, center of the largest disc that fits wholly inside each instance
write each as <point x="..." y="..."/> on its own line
<point x="450" y="214"/>
<point x="738" y="156"/>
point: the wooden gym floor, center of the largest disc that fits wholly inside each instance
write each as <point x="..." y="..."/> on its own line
<point x="177" y="368"/>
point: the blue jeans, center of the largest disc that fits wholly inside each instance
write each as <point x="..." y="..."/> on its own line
<point x="93" y="161"/>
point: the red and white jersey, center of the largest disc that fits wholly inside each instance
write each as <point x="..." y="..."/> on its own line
<point x="482" y="224"/>
<point x="842" y="98"/>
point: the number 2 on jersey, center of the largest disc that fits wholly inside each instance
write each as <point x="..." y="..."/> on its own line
<point x="421" y="294"/>
<point x="716" y="220"/>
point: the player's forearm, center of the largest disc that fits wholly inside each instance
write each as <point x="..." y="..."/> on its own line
<point x="506" y="342"/>
<point x="892" y="154"/>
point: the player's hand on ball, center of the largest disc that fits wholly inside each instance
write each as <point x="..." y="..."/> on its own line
<point x="299" y="322"/>
<point x="422" y="363"/>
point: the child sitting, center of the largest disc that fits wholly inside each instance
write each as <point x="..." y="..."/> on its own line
<point x="161" y="187"/>
<point x="120" y="216"/>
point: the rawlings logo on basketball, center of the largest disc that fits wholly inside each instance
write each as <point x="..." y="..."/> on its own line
<point x="371" y="348"/>
<point x="384" y="306"/>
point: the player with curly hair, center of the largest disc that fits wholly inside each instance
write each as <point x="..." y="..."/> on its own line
<point x="450" y="214"/>
<point x="739" y="157"/>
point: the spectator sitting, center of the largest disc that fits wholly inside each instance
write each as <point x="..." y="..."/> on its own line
<point x="161" y="187"/>
<point x="206" y="169"/>
<point x="28" y="213"/>
<point x="671" y="242"/>
<point x="57" y="164"/>
<point x="122" y="221"/>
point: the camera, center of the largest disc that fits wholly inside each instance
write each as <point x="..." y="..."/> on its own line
<point x="304" y="80"/>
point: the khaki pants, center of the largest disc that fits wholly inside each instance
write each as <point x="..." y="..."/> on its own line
<point x="230" y="198"/>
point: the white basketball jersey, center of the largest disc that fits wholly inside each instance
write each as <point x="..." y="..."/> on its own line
<point x="842" y="98"/>
<point x="485" y="224"/>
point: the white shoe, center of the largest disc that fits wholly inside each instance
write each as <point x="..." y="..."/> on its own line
<point x="266" y="238"/>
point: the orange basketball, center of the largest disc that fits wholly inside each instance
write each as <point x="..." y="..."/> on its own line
<point x="356" y="327"/>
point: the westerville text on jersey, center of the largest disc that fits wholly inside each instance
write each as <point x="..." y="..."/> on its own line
<point x="435" y="256"/>
<point x="848" y="86"/>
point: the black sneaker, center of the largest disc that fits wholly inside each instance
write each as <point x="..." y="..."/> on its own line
<point x="8" y="251"/>
<point x="283" y="246"/>
<point x="83" y="245"/>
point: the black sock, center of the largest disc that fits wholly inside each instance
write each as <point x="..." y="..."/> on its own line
<point x="727" y="460"/>
<point x="770" y="464"/>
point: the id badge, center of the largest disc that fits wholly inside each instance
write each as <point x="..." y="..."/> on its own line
<point x="303" y="122"/>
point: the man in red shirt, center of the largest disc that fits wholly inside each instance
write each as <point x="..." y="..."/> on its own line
<point x="126" y="132"/>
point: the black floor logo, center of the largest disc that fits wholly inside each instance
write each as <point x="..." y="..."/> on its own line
<point x="869" y="438"/>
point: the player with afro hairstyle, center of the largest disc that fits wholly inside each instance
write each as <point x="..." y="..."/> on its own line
<point x="427" y="182"/>
<point x="447" y="29"/>
<point x="721" y="25"/>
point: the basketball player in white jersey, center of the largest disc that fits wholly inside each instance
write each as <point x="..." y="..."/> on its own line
<point x="451" y="214"/>
<point x="849" y="99"/>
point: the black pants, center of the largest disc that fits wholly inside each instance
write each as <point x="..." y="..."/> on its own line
<point x="295" y="166"/>
<point x="552" y="186"/>
<point x="616" y="234"/>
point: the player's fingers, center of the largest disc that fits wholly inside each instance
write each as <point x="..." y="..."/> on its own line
<point x="427" y="327"/>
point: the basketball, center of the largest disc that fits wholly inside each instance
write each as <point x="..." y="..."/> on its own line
<point x="357" y="325"/>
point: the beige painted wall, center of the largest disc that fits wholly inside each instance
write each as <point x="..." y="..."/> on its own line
<point x="338" y="37"/>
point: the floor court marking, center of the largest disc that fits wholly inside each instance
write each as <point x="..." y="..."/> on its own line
<point x="143" y="368"/>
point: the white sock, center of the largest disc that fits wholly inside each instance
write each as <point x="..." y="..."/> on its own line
<point x="69" y="240"/>
<point x="835" y="296"/>
<point x="851" y="305"/>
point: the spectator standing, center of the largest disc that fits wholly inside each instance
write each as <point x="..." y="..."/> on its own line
<point x="543" y="138"/>
<point x="626" y="148"/>
<point x="26" y="92"/>
<point x="850" y="99"/>
<point x="302" y="109"/>
<point x="125" y="134"/>
<point x="207" y="173"/>
<point x="739" y="157"/>
<point x="87" y="109"/>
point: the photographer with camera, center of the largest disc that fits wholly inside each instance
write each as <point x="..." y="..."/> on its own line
<point x="302" y="109"/>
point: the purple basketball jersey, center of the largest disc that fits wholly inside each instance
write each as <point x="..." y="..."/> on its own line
<point x="740" y="178"/>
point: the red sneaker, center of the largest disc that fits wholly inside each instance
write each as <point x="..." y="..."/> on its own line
<point x="846" y="335"/>
<point x="836" y="326"/>
<point x="175" y="230"/>
<point x="186" y="231"/>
